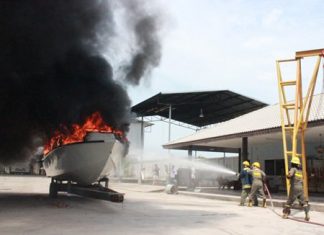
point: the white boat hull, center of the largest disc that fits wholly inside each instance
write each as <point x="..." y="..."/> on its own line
<point x="86" y="162"/>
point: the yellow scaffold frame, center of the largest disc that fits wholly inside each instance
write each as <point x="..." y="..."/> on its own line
<point x="299" y="110"/>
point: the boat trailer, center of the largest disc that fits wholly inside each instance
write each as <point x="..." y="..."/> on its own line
<point x="96" y="191"/>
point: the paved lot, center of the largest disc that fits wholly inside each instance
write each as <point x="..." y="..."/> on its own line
<point x="26" y="209"/>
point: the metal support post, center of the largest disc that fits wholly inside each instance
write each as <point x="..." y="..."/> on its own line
<point x="141" y="151"/>
<point x="239" y="159"/>
<point x="170" y="115"/>
<point x="245" y="149"/>
<point x="190" y="152"/>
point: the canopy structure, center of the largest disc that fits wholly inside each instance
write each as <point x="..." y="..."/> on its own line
<point x="198" y="108"/>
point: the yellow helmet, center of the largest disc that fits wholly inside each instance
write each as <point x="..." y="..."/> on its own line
<point x="246" y="163"/>
<point x="256" y="164"/>
<point x="295" y="160"/>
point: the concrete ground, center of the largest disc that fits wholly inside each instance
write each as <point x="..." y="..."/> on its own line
<point x="26" y="209"/>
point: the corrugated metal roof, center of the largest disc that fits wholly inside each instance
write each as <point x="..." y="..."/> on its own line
<point x="200" y="108"/>
<point x="262" y="119"/>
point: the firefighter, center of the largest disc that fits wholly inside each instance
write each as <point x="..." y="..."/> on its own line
<point x="246" y="180"/>
<point x="258" y="179"/>
<point x="295" y="175"/>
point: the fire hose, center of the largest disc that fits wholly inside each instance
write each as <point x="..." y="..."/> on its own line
<point x="289" y="217"/>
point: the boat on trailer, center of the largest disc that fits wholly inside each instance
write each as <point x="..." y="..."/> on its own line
<point x="81" y="167"/>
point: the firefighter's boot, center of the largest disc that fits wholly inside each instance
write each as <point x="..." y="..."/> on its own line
<point x="250" y="203"/>
<point x="264" y="203"/>
<point x="306" y="209"/>
<point x="286" y="212"/>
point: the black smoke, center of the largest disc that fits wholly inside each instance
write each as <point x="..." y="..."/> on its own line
<point x="148" y="49"/>
<point x="53" y="73"/>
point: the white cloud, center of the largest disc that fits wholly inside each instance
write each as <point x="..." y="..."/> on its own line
<point x="273" y="17"/>
<point x="258" y="42"/>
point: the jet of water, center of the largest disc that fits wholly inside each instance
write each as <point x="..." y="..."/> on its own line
<point x="187" y="163"/>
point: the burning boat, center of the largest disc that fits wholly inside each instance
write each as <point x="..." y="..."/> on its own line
<point x="85" y="162"/>
<point x="79" y="161"/>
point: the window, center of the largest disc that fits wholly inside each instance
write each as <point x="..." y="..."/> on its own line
<point x="269" y="167"/>
<point x="280" y="167"/>
<point x="274" y="167"/>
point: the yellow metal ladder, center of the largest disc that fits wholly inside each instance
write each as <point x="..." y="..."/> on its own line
<point x="294" y="114"/>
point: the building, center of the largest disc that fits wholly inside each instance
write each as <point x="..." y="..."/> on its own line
<point x="256" y="136"/>
<point x="195" y="110"/>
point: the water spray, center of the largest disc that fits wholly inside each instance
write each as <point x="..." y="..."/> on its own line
<point x="186" y="163"/>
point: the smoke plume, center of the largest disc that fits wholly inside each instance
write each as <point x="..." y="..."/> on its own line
<point x="148" y="49"/>
<point x="53" y="71"/>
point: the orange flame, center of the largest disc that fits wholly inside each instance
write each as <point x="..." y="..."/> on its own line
<point x="94" y="123"/>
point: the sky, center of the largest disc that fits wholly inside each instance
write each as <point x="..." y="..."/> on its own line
<point x="228" y="45"/>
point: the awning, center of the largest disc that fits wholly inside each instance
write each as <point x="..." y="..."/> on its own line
<point x="198" y="108"/>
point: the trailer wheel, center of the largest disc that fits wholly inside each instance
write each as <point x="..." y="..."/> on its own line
<point x="53" y="190"/>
